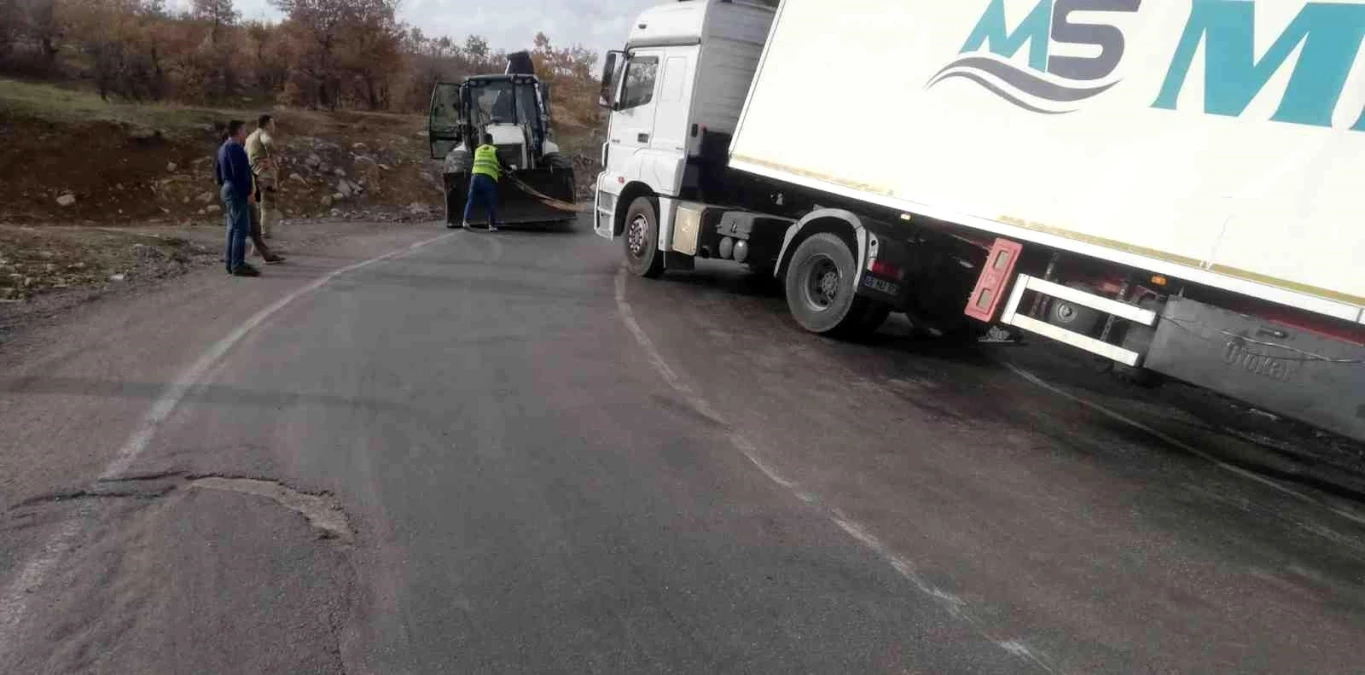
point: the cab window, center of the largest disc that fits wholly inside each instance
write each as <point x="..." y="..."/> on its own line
<point x="640" y="77"/>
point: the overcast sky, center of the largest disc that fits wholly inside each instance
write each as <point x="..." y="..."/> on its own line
<point x="509" y="24"/>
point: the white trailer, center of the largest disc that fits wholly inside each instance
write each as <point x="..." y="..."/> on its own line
<point x="1170" y="186"/>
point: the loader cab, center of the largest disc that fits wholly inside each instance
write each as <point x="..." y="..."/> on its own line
<point x="512" y="108"/>
<point x="675" y="94"/>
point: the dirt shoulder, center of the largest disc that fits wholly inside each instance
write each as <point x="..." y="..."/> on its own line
<point x="52" y="271"/>
<point x="66" y="157"/>
<point x="96" y="196"/>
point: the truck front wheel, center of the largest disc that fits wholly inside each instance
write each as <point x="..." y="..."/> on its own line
<point x="642" y="239"/>
<point x="820" y="290"/>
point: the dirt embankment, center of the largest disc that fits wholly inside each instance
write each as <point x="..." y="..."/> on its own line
<point x="78" y="175"/>
<point x="108" y="173"/>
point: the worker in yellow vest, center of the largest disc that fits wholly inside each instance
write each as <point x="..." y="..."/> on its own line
<point x="483" y="183"/>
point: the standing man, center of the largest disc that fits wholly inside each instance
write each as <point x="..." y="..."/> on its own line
<point x="234" y="174"/>
<point x="483" y="183"/>
<point x="264" y="170"/>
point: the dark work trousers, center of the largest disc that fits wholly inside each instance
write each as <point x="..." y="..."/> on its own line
<point x="236" y="213"/>
<point x="483" y="192"/>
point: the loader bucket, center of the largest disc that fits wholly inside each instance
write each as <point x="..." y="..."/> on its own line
<point x="524" y="198"/>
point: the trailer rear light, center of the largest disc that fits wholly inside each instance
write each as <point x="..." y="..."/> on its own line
<point x="886" y="270"/>
<point x="995" y="276"/>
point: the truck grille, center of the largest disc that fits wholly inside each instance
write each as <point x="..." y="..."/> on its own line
<point x="510" y="156"/>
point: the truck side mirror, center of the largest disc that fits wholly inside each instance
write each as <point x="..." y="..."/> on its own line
<point x="607" y="96"/>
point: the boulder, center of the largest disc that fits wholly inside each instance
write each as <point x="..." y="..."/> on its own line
<point x="171" y="166"/>
<point x="66" y="200"/>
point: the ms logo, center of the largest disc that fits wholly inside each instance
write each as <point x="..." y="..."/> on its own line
<point x="1317" y="50"/>
<point x="1051" y="83"/>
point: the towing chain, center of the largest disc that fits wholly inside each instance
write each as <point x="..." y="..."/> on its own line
<point x="546" y="199"/>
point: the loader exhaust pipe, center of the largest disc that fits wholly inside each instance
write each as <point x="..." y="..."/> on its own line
<point x="520" y="63"/>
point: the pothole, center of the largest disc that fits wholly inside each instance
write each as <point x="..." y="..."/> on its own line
<point x="322" y="511"/>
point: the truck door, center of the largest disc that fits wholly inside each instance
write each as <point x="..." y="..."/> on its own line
<point x="444" y="119"/>
<point x="632" y="126"/>
<point x="673" y="108"/>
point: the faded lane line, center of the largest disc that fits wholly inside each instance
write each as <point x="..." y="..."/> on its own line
<point x="951" y="603"/>
<point x="1040" y="382"/>
<point x="14" y="600"/>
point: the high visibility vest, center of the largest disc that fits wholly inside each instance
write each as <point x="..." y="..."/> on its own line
<point x="486" y="162"/>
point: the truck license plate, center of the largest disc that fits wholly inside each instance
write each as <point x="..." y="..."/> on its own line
<point x="879" y="285"/>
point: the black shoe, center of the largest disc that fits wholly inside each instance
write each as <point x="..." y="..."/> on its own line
<point x="275" y="260"/>
<point x="245" y="270"/>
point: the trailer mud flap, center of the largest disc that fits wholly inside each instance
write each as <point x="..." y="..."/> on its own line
<point x="1269" y="365"/>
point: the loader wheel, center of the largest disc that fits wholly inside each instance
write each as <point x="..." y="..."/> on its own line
<point x="820" y="289"/>
<point x="565" y="188"/>
<point x="642" y="239"/>
<point x="457" y="191"/>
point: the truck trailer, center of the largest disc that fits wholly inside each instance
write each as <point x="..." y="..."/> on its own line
<point x="1173" y="187"/>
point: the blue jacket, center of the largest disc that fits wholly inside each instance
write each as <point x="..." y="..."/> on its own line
<point x="233" y="168"/>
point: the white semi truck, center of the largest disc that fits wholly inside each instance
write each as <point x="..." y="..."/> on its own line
<point x="1174" y="186"/>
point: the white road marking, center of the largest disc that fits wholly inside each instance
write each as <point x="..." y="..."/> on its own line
<point x="14" y="599"/>
<point x="1038" y="381"/>
<point x="954" y="605"/>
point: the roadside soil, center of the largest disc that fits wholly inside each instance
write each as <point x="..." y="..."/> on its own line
<point x="49" y="271"/>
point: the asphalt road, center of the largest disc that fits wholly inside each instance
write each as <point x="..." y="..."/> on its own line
<point x="498" y="454"/>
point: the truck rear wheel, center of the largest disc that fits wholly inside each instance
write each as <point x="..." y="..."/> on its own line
<point x="820" y="290"/>
<point x="642" y="239"/>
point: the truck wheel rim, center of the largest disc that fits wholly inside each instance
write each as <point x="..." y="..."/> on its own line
<point x="636" y="236"/>
<point x="822" y="283"/>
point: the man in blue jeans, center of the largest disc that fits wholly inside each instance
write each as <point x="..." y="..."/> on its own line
<point x="234" y="175"/>
<point x="483" y="183"/>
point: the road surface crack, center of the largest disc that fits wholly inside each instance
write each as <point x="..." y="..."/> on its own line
<point x="321" y="509"/>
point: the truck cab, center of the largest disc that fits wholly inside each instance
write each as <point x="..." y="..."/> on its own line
<point x="676" y="93"/>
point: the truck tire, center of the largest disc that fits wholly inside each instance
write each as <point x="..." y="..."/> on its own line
<point x="1076" y="318"/>
<point x="820" y="292"/>
<point x="566" y="187"/>
<point x="643" y="256"/>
